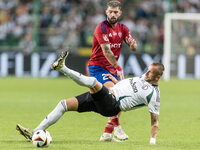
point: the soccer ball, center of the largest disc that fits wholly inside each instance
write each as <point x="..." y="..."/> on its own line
<point x="41" y="138"/>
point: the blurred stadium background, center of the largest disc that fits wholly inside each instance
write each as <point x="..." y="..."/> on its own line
<point x="33" y="31"/>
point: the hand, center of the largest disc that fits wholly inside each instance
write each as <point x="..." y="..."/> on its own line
<point x="120" y="75"/>
<point x="132" y="43"/>
<point x="114" y="80"/>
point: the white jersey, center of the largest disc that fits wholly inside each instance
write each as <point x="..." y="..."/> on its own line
<point x="134" y="92"/>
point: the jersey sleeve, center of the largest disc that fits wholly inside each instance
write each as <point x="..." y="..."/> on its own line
<point x="101" y="34"/>
<point x="154" y="104"/>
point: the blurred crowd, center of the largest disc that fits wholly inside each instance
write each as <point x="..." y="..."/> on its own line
<point x="71" y="23"/>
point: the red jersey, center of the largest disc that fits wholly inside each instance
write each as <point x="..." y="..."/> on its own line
<point x="106" y="34"/>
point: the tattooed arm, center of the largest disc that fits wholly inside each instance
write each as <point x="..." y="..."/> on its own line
<point x="154" y="128"/>
<point x="109" y="54"/>
<point x="111" y="59"/>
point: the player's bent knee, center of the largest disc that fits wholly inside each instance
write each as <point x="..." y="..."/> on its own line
<point x="93" y="82"/>
<point x="72" y="104"/>
<point x="96" y="88"/>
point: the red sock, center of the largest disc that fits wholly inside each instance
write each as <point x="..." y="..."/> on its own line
<point x="115" y="120"/>
<point x="109" y="127"/>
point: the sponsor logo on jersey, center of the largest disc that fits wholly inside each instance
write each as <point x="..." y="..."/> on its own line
<point x="116" y="45"/>
<point x="110" y="35"/>
<point x="114" y="33"/>
<point x="145" y="87"/>
<point x="135" y="90"/>
<point x="105" y="38"/>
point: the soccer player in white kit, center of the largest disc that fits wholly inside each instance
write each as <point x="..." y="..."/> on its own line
<point x="126" y="95"/>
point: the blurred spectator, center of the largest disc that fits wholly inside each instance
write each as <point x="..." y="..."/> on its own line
<point x="23" y="17"/>
<point x="55" y="39"/>
<point x="45" y="17"/>
<point x="71" y="23"/>
<point x="129" y="23"/>
<point x="27" y="44"/>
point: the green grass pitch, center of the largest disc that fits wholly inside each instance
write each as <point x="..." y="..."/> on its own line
<point x="27" y="101"/>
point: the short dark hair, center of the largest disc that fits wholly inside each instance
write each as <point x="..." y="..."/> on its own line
<point x="114" y="3"/>
<point x="160" y="66"/>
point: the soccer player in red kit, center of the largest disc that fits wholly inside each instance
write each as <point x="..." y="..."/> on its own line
<point x="107" y="43"/>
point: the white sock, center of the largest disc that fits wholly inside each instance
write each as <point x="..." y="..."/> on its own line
<point x="79" y="78"/>
<point x="52" y="117"/>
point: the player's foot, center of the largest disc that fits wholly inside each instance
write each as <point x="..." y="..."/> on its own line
<point x="60" y="62"/>
<point x="27" y="133"/>
<point x="108" y="137"/>
<point x="119" y="133"/>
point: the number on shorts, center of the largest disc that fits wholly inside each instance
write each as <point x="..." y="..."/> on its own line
<point x="104" y="78"/>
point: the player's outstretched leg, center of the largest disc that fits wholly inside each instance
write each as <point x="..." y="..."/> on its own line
<point x="60" y="62"/>
<point x="27" y="133"/>
<point x="79" y="78"/>
<point x="53" y="116"/>
<point x="49" y="120"/>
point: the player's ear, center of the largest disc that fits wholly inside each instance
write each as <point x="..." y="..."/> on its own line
<point x="106" y="11"/>
<point x="120" y="12"/>
<point x="158" y="77"/>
